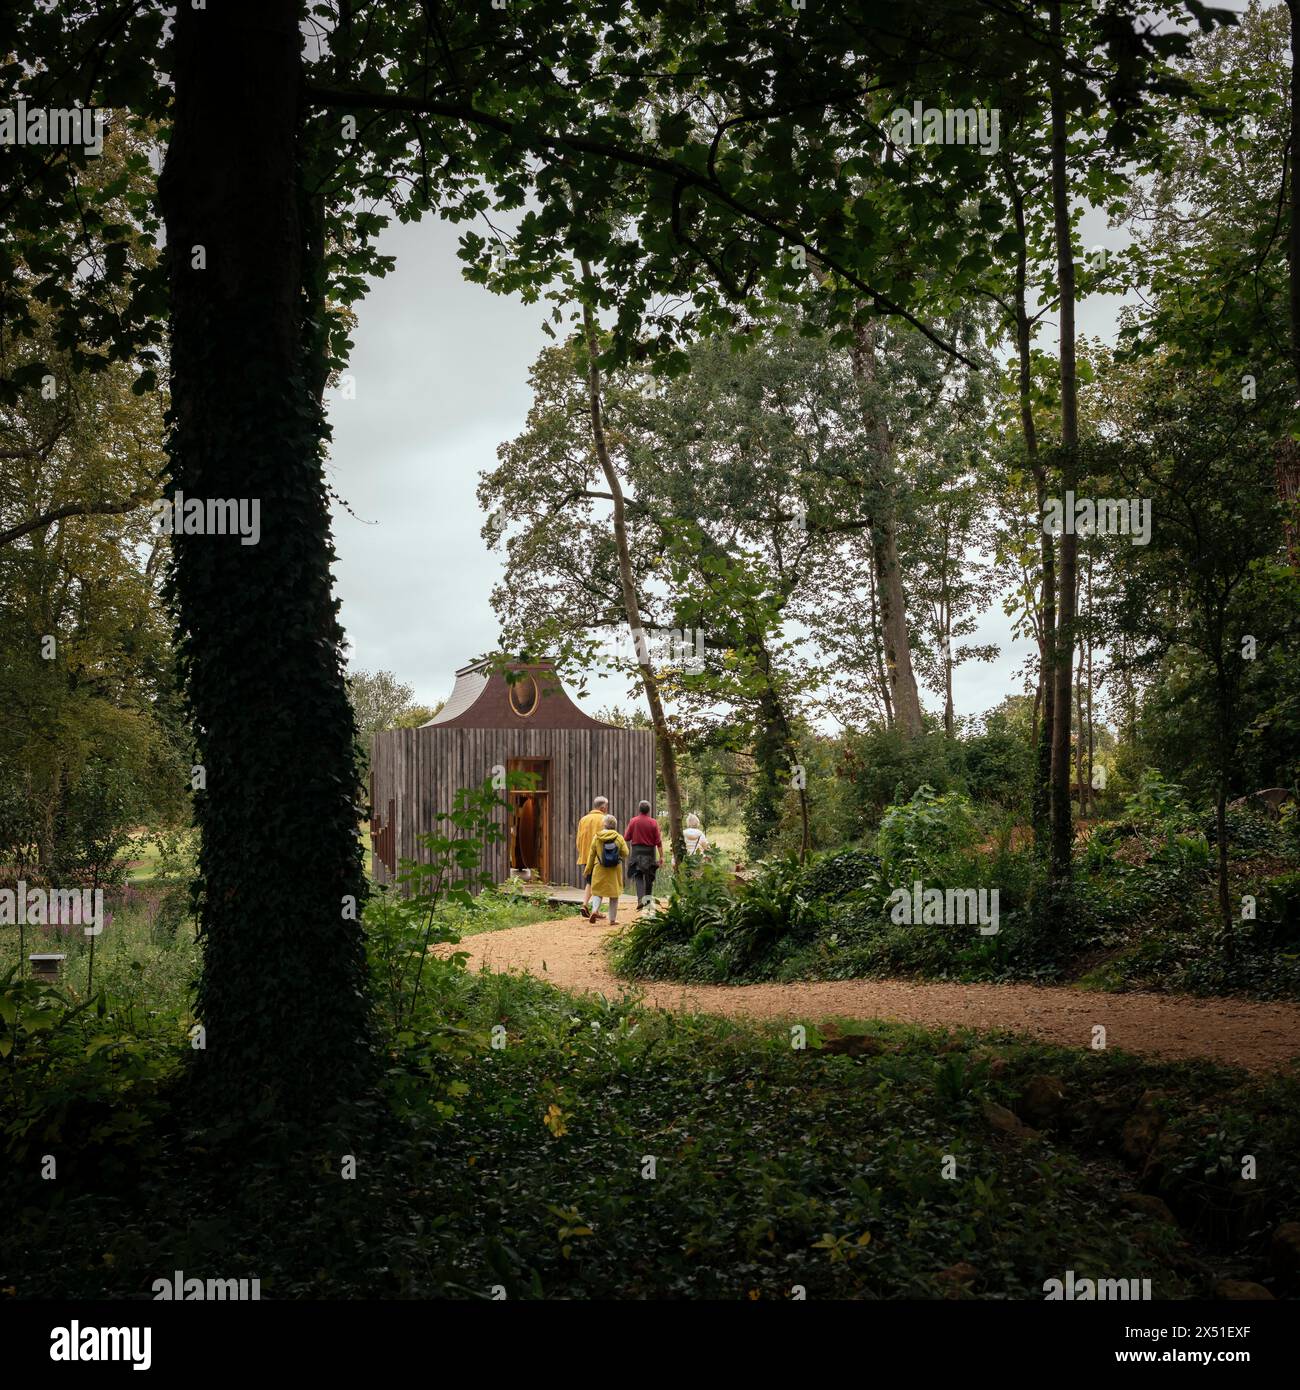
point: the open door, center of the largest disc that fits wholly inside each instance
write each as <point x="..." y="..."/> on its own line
<point x="529" y="846"/>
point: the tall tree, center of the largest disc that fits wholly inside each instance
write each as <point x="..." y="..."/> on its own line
<point x="283" y="996"/>
<point x="631" y="606"/>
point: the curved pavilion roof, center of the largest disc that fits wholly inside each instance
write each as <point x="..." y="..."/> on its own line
<point x="483" y="698"/>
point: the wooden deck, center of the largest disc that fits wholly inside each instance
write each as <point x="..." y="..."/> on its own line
<point x="554" y="894"/>
<point x="559" y="895"/>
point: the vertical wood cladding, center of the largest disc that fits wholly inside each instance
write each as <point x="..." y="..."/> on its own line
<point x="420" y="770"/>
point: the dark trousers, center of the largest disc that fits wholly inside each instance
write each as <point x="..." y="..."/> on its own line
<point x="641" y="868"/>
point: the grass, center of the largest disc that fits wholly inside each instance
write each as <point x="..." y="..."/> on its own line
<point x="608" y="1151"/>
<point x="496" y="909"/>
<point x="138" y="957"/>
<point x="730" y="839"/>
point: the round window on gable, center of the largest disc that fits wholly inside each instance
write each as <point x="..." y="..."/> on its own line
<point x="524" y="696"/>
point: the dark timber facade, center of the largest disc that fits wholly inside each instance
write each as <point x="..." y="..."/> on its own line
<point x="492" y="726"/>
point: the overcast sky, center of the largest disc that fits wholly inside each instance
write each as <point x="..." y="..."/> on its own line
<point x="440" y="367"/>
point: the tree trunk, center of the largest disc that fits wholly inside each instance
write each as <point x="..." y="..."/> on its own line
<point x="1041" y="805"/>
<point x="1225" y="711"/>
<point x="882" y="679"/>
<point x="1078" y="743"/>
<point x="1221" y="829"/>
<point x="776" y="754"/>
<point x="904" y="695"/>
<point x="283" y="994"/>
<point x="949" y="712"/>
<point x="1092" y="727"/>
<point x="1062" y="826"/>
<point x="1288" y="453"/>
<point x="1293" y="235"/>
<point x="631" y="606"/>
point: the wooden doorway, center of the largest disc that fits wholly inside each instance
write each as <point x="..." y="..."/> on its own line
<point x="529" y="845"/>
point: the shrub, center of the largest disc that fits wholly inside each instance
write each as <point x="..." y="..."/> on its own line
<point x="1249" y="832"/>
<point x="86" y="1071"/>
<point x="773" y="909"/>
<point x="712" y="931"/>
<point x="835" y="875"/>
<point x="1157" y="805"/>
<point x="1187" y="856"/>
<point x="921" y="836"/>
<point x="999" y="767"/>
<point x="1278" y="923"/>
<point x="676" y="942"/>
<point x="885" y="766"/>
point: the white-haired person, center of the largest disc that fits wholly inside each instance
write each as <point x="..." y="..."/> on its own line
<point x="696" y="840"/>
<point x="587" y="828"/>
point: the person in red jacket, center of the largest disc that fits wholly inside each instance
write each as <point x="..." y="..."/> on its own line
<point x="645" y="853"/>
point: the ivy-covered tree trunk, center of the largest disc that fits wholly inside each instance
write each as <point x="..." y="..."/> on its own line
<point x="283" y="997"/>
<point x="1063" y="648"/>
<point x="776" y="755"/>
<point x="1293" y="231"/>
<point x="766" y="800"/>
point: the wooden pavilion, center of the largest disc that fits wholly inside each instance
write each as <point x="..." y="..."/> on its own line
<point x="491" y="724"/>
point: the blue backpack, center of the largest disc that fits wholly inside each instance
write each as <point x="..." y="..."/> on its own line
<point x="609" y="855"/>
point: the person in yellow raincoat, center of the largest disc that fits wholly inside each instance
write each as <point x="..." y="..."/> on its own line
<point x="587" y="827"/>
<point x="606" y="877"/>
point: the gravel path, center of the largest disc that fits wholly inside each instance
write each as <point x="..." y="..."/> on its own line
<point x="1261" y="1037"/>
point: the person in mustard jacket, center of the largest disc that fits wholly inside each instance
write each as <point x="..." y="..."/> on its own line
<point x="606" y="877"/>
<point x="587" y="828"/>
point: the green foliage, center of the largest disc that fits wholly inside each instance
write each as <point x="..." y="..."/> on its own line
<point x="917" y="837"/>
<point x="78" y="1079"/>
<point x="715" y="929"/>
<point x="999" y="766"/>
<point x="1157" y="805"/>
<point x="514" y="1169"/>
<point x="405" y="924"/>
<point x="886" y="767"/>
<point x="1249" y="832"/>
<point x="1279" y="913"/>
<point x="1144" y="901"/>
<point x="837" y="874"/>
<point x="174" y="874"/>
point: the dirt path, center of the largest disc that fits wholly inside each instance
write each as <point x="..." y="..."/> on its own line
<point x="1261" y="1037"/>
